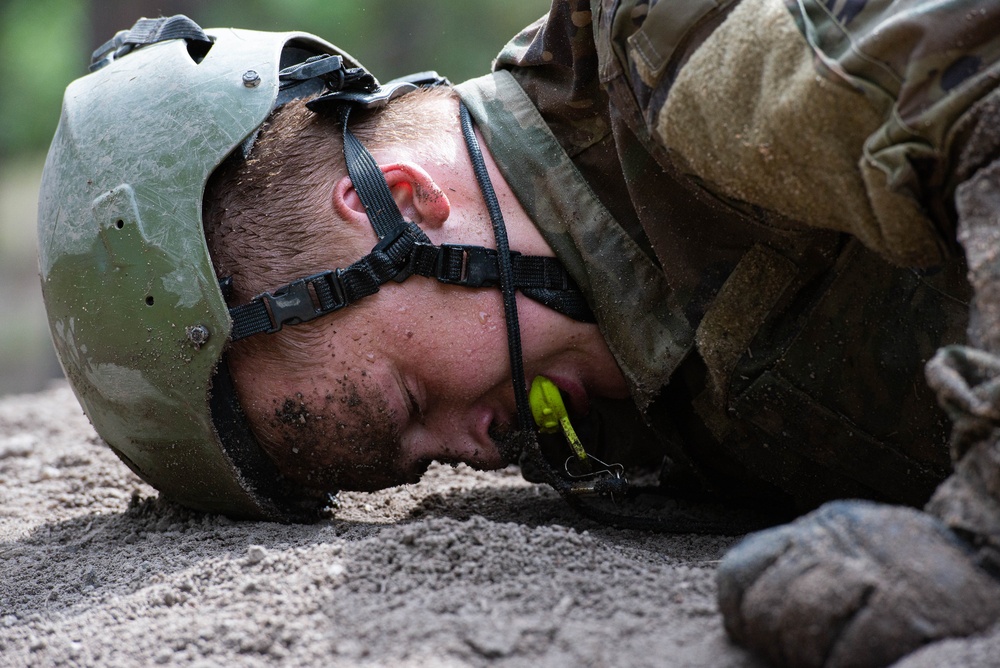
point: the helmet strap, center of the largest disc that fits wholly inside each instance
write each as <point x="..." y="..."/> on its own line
<point x="369" y="182"/>
<point x="403" y="249"/>
<point x="524" y="422"/>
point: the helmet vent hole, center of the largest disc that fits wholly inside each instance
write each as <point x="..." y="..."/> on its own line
<point x="119" y="223"/>
<point x="198" y="49"/>
<point x="149" y="300"/>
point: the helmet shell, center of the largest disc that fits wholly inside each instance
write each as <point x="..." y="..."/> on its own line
<point x="136" y="314"/>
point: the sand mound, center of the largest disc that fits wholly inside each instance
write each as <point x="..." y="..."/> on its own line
<point x="464" y="569"/>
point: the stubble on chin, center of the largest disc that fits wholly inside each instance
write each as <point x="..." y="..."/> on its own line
<point x="508" y="441"/>
<point x="344" y="439"/>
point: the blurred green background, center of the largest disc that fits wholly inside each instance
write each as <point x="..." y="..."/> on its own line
<point x="45" y="44"/>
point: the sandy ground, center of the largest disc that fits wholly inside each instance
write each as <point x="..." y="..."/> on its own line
<point x="464" y="569"/>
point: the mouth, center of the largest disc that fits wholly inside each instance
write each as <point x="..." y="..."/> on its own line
<point x="574" y="396"/>
<point x="507" y="438"/>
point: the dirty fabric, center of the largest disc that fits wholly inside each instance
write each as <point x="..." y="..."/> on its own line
<point x="755" y="160"/>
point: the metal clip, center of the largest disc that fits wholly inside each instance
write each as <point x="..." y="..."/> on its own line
<point x="607" y="481"/>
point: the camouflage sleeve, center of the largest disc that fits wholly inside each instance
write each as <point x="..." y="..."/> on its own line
<point x="555" y="61"/>
<point x="932" y="68"/>
<point x="837" y="114"/>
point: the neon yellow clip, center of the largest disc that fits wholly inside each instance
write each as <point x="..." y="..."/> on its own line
<point x="549" y="412"/>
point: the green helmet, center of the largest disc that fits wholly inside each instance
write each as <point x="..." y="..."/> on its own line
<point x="136" y="312"/>
<point x="138" y="317"/>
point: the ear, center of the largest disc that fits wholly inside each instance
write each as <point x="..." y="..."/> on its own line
<point x="417" y="195"/>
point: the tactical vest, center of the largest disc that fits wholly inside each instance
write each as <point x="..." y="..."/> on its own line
<point x="795" y="354"/>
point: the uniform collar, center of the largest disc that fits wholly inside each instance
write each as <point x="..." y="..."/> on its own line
<point x="643" y="327"/>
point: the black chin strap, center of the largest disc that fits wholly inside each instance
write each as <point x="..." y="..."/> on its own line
<point x="403" y="250"/>
<point x="370" y="183"/>
<point x="506" y="271"/>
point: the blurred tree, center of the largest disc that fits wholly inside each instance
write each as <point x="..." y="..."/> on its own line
<point x="40" y="46"/>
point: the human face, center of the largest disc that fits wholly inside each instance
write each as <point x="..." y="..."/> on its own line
<point x="420" y="371"/>
<point x="420" y="375"/>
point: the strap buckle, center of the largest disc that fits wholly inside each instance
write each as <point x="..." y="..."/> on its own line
<point x="293" y="303"/>
<point x="369" y="94"/>
<point x="322" y="66"/>
<point x="469" y="266"/>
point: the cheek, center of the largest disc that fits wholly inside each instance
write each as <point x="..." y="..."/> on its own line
<point x="460" y="345"/>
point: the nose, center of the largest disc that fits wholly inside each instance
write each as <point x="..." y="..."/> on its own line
<point x="457" y="436"/>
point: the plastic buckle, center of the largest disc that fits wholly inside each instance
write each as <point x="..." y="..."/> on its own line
<point x="479" y="266"/>
<point x="410" y="233"/>
<point x="293" y="303"/>
<point x="107" y="52"/>
<point x="394" y="235"/>
<point x="365" y="92"/>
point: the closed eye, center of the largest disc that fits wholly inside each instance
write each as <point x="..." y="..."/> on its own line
<point x="415" y="409"/>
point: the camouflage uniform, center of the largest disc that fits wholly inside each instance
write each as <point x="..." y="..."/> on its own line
<point x="758" y="201"/>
